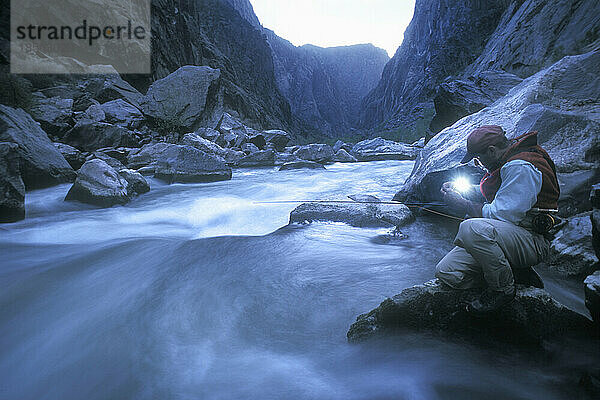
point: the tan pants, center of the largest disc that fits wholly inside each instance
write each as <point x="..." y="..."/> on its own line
<point x="485" y="251"/>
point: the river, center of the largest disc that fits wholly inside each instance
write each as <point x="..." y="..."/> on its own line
<point x="199" y="292"/>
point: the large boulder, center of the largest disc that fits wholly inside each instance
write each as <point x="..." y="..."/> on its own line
<point x="284" y="158"/>
<point x="12" y="188"/>
<point x="560" y="102"/>
<point x="187" y="164"/>
<point x="342" y="145"/>
<point x="179" y="99"/>
<point x="343" y="156"/>
<point x="197" y="141"/>
<point x="279" y="139"/>
<point x="530" y="319"/>
<point x="457" y="98"/>
<point x="121" y="113"/>
<point x="592" y="295"/>
<point x="360" y="215"/>
<point x="74" y="157"/>
<point x="54" y="114"/>
<point x="316" y="152"/>
<point x="99" y="184"/>
<point x="571" y="251"/>
<point x="381" y="149"/>
<point x="41" y="164"/>
<point x="147" y="155"/>
<point x="90" y="136"/>
<point x="258" y="159"/>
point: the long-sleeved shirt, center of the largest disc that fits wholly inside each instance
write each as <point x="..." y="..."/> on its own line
<point x="521" y="183"/>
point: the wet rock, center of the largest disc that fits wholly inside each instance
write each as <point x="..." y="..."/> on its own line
<point x="283" y="158"/>
<point x="12" y="188"/>
<point x="419" y="143"/>
<point x="343" y="156"/>
<point x="364" y="197"/>
<point x="301" y="165"/>
<point x="121" y="113"/>
<point x="180" y="98"/>
<point x="249" y="148"/>
<point x="316" y="152"/>
<point x="457" y="98"/>
<point x="592" y="295"/>
<point x="360" y="215"/>
<point x="99" y="184"/>
<point x="555" y="102"/>
<point x="197" y="141"/>
<point x="41" y="164"/>
<point x="572" y="253"/>
<point x="258" y="159"/>
<point x="136" y="183"/>
<point x="382" y="149"/>
<point x="278" y="138"/>
<point x="90" y="136"/>
<point x="74" y="157"/>
<point x="532" y="317"/>
<point x="187" y="164"/>
<point x="342" y="145"/>
<point x="53" y="114"/>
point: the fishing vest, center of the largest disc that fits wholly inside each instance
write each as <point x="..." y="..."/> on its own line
<point x="527" y="149"/>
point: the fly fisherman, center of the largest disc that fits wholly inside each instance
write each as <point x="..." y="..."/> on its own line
<point x="507" y="235"/>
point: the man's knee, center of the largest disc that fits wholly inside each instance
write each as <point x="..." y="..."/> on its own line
<point x="473" y="229"/>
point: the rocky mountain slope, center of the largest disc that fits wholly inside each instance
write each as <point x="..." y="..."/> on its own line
<point x="462" y="39"/>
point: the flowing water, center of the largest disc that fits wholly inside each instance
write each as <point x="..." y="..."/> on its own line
<point x="199" y="292"/>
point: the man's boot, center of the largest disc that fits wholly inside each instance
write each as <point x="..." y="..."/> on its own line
<point x="490" y="300"/>
<point x="527" y="277"/>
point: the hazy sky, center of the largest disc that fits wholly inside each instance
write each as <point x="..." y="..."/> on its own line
<point x="337" y="22"/>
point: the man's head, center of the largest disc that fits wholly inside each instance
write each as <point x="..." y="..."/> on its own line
<point x="488" y="144"/>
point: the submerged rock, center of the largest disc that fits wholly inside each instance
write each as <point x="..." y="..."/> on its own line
<point x="187" y="164"/>
<point x="360" y="215"/>
<point x="99" y="184"/>
<point x="301" y="164"/>
<point x="12" y="188"/>
<point x="532" y="317"/>
<point x="41" y="163"/>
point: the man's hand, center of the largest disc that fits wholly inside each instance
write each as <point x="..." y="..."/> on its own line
<point x="455" y="200"/>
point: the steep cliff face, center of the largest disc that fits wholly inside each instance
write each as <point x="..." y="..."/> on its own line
<point x="534" y="34"/>
<point x="213" y="33"/>
<point x="325" y="86"/>
<point x="443" y="37"/>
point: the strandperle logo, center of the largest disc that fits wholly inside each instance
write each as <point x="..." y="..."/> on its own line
<point x="80" y="36"/>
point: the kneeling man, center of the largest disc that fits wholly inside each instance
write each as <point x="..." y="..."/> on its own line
<point x="503" y="239"/>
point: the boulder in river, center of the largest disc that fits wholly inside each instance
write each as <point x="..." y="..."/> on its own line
<point x="99" y="184"/>
<point x="12" y="188"/>
<point x="381" y="149"/>
<point x="360" y="215"/>
<point x="283" y="158"/>
<point x="41" y="164"/>
<point x="560" y="102"/>
<point x="187" y="164"/>
<point x="532" y="317"/>
<point x="136" y="183"/>
<point x="258" y="159"/>
<point x="343" y="156"/>
<point x="179" y="99"/>
<point x="571" y="251"/>
<point x="592" y="295"/>
<point x="302" y="164"/>
<point x="316" y="152"/>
